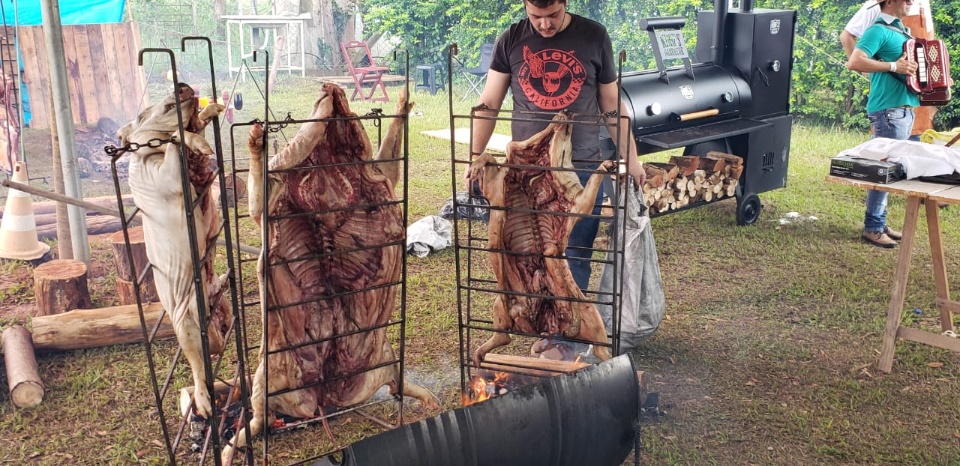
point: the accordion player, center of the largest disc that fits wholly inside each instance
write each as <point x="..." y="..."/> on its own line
<point x="932" y="78"/>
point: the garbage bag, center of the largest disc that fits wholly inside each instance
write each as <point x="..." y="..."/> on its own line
<point x="468" y="208"/>
<point x="430" y="233"/>
<point x="641" y="302"/>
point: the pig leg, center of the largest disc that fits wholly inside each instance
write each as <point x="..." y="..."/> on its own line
<point x="187" y="328"/>
<point x="390" y="147"/>
<point x="255" y="175"/>
<point x="501" y="321"/>
<point x="256" y="422"/>
<point x="427" y="400"/>
<point x="584" y="201"/>
<point x="591" y="328"/>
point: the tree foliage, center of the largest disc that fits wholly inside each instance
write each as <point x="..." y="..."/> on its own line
<point x="823" y="90"/>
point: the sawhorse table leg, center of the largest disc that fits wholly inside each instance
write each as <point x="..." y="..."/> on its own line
<point x="945" y="305"/>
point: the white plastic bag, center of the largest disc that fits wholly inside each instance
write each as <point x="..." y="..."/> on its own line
<point x="643" y="303"/>
<point x="430" y="233"/>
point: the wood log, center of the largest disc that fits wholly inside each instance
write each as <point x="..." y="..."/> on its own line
<point x="107" y="202"/>
<point x="61" y="285"/>
<point x="96" y="225"/>
<point x="711" y="164"/>
<point x="730" y="159"/>
<point x="127" y="271"/>
<point x="94" y="328"/>
<point x="656" y="176"/>
<point x="23" y="376"/>
<point x="687" y="164"/>
<point x="671" y="171"/>
<point x="528" y="365"/>
<point x="644" y="388"/>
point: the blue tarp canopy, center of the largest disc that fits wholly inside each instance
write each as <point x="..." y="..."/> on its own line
<point x="71" y="12"/>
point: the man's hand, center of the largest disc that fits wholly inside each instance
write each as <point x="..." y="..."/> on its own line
<point x="906" y="66"/>
<point x="474" y="171"/>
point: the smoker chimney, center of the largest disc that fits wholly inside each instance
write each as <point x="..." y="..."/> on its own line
<point x="746" y="6"/>
<point x="716" y="48"/>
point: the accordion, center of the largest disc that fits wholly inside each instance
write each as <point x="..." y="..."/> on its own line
<point x="932" y="79"/>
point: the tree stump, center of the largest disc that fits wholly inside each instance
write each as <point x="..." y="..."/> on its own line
<point x="61" y="285"/>
<point x="23" y="377"/>
<point x="125" y="271"/>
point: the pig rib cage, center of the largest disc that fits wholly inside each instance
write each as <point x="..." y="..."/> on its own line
<point x="477" y="288"/>
<point x="252" y="300"/>
<point x="215" y="430"/>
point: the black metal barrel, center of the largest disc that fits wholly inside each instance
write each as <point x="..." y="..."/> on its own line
<point x="585" y="418"/>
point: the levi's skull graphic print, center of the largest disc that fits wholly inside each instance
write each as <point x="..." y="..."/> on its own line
<point x="557" y="73"/>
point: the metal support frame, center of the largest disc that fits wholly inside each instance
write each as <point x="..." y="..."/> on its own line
<point x="311" y="441"/>
<point x="215" y="426"/>
<point x="476" y="289"/>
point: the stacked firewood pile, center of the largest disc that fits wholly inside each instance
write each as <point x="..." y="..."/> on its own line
<point x="691" y="178"/>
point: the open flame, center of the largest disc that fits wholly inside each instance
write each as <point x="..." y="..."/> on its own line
<point x="483" y="388"/>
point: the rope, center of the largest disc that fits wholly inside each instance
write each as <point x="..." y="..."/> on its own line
<point x="830" y="58"/>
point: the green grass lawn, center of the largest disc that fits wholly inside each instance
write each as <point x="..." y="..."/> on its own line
<point x="767" y="354"/>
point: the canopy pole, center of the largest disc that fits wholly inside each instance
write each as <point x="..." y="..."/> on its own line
<point x="53" y="35"/>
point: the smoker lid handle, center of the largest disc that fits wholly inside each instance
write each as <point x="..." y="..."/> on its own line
<point x="667" y="22"/>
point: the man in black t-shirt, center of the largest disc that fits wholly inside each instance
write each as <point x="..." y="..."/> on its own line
<point x="554" y="60"/>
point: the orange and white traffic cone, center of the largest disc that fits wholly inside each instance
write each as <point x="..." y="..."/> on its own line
<point x="18" y="229"/>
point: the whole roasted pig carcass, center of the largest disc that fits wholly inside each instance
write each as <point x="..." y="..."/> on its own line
<point x="535" y="236"/>
<point x="335" y="257"/>
<point x="155" y="181"/>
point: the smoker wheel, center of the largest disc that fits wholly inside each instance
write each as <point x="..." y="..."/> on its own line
<point x="748" y="209"/>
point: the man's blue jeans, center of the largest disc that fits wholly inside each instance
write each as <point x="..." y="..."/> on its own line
<point x="893" y="123"/>
<point x="580" y="243"/>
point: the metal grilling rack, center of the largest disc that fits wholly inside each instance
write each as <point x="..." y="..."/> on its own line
<point x="512" y="366"/>
<point x="175" y="432"/>
<point x="299" y="445"/>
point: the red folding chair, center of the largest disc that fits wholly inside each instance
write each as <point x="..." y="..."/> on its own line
<point x="370" y="74"/>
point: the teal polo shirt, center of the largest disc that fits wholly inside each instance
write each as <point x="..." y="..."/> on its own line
<point x="887" y="90"/>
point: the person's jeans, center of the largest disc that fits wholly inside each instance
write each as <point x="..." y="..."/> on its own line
<point x="580" y="243"/>
<point x="893" y="123"/>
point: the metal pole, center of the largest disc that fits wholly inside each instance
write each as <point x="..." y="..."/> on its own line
<point x="53" y="35"/>
<point x="20" y="85"/>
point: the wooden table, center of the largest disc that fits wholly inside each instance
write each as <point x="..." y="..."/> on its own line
<point x="917" y="192"/>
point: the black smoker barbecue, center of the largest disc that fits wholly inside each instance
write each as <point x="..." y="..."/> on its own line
<point x="736" y="100"/>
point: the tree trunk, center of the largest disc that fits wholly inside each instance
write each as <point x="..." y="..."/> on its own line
<point x="23" y="377"/>
<point x="94" y="328"/>
<point x="61" y="285"/>
<point x="65" y="245"/>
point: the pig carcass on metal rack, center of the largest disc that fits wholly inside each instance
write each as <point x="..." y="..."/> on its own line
<point x="535" y="238"/>
<point x="335" y="257"/>
<point x="156" y="183"/>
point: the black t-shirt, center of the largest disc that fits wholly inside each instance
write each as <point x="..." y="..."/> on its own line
<point x="556" y="73"/>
